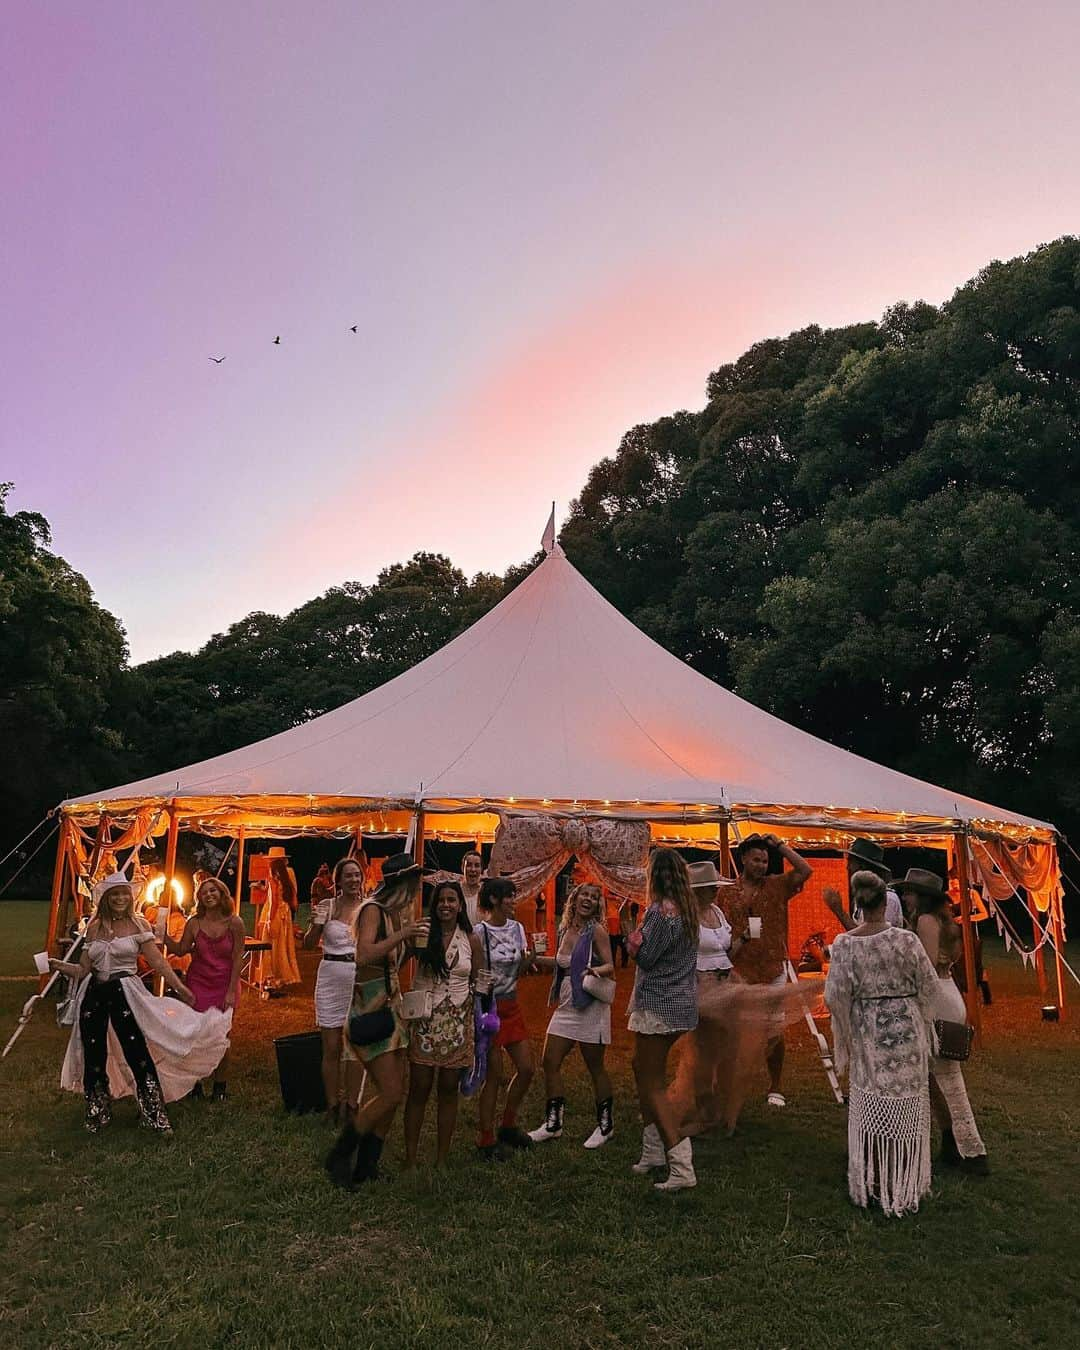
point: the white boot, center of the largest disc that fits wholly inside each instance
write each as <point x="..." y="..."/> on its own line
<point x="553" y="1122"/>
<point x="652" y="1151"/>
<point x="680" y="1168"/>
<point x="605" y="1125"/>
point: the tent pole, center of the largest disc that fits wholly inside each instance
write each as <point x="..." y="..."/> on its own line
<point x="725" y="851"/>
<point x="170" y="872"/>
<point x="1040" y="965"/>
<point x="59" y="870"/>
<point x="971" y="992"/>
<point x="418" y="855"/>
<point x="240" y="840"/>
<point x="1059" y="943"/>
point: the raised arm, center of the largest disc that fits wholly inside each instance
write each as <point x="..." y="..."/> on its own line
<point x="370" y="948"/>
<point x="835" y="905"/>
<point x="801" y="871"/>
<point x="314" y="931"/>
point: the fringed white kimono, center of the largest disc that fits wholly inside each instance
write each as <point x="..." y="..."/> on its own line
<point x="880" y="991"/>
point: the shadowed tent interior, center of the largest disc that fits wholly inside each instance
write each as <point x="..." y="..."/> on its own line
<point x="554" y="704"/>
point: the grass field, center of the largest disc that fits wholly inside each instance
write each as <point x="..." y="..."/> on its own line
<point x="229" y="1233"/>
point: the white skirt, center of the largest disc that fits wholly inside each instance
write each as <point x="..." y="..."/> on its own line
<point x="185" y="1045"/>
<point x="588" y="1026"/>
<point x="334" y="983"/>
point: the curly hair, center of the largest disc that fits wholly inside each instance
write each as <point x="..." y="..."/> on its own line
<point x="570" y="908"/>
<point x="668" y="879"/>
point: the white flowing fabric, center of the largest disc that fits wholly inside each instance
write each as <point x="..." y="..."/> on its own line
<point x="185" y="1045"/>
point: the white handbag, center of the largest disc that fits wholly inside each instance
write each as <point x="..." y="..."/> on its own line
<point x="415" y="1005"/>
<point x="600" y="987"/>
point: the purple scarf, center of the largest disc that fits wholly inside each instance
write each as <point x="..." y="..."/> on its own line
<point x="580" y="960"/>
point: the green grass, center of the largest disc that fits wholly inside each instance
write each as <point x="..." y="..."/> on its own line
<point x="230" y="1234"/>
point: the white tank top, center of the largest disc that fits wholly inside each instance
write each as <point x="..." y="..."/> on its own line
<point x="714" y="944"/>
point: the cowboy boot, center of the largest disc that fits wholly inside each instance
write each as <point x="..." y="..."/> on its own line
<point x="652" y="1151"/>
<point x="339" y="1161"/>
<point x="605" y="1125"/>
<point x="680" y="1168"/>
<point x="553" y="1121"/>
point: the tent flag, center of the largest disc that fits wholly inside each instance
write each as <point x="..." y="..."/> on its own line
<point x="548" y="540"/>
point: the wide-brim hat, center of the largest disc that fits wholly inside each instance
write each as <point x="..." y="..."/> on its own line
<point x="396" y="868"/>
<point x="868" y="854"/>
<point x="920" y="880"/>
<point x="112" y="882"/>
<point x="276" y="851"/>
<point x="703" y="874"/>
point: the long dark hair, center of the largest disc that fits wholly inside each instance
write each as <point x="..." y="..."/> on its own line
<point x="433" y="956"/>
<point x="279" y="870"/>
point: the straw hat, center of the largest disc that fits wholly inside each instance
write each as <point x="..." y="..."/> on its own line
<point x="395" y="868"/>
<point x="276" y="851"/>
<point x="703" y="874"/>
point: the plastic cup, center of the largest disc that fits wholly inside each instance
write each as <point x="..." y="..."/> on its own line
<point x="540" y="944"/>
<point x="755" y="927"/>
<point x="41" y="962"/>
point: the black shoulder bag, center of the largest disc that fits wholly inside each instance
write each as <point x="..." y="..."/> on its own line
<point x="368" y="1027"/>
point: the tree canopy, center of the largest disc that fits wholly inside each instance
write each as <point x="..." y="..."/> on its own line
<point x="871" y="531"/>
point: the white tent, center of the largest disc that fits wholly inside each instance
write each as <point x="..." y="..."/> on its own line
<point x="555" y="700"/>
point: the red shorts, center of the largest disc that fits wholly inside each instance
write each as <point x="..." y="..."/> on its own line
<point x="512" y="1028"/>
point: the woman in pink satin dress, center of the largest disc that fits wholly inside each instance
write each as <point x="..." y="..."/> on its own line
<point x="214" y="938"/>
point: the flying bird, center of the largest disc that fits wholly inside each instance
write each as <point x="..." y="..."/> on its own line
<point x="217" y="360"/>
<point x="354" y="328"/>
<point x="277" y="341"/>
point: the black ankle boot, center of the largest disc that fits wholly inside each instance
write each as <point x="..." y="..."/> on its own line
<point x="950" y="1154"/>
<point x="339" y="1161"/>
<point x="367" y="1160"/>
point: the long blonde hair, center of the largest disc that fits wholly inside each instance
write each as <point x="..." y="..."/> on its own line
<point x="103" y="920"/>
<point x="668" y="879"/>
<point x="569" y="913"/>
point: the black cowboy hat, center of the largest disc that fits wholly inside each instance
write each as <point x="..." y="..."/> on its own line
<point x="868" y="854"/>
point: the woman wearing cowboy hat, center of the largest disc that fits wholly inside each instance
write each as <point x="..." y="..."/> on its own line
<point x="167" y="1047"/>
<point x="384" y="924"/>
<point x="941" y="935"/>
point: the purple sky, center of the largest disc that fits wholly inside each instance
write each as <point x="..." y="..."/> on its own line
<point x="549" y="222"/>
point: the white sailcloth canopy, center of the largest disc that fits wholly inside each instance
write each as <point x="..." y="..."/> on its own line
<point x="555" y="697"/>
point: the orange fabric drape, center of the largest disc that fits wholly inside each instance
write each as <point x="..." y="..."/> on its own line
<point x="1004" y="867"/>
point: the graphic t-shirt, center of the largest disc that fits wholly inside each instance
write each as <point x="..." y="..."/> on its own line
<point x="504" y="948"/>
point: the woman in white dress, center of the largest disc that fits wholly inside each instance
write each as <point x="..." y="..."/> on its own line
<point x="578" y="1019"/>
<point x="125" y="1041"/>
<point x="332" y="923"/>
<point x="880" y="991"/>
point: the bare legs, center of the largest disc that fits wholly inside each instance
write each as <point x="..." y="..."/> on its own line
<point x="774" y="1062"/>
<point x="387" y="1072"/>
<point x="650" y="1075"/>
<point x="521" y="1058"/>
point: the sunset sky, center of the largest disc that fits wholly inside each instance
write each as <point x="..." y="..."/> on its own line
<point x="548" y="222"/>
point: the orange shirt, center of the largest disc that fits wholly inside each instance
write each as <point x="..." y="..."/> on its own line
<point x="761" y="959"/>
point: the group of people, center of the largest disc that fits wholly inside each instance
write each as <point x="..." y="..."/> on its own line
<point x="125" y="1041"/>
<point x="711" y="966"/>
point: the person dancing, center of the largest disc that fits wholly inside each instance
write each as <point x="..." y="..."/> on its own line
<point x="578" y="1019"/>
<point x="383" y="927"/>
<point x="214" y="939"/>
<point x="167" y="1047"/>
<point x="332" y="923"/>
<point x="442" y="1044"/>
<point x="663" y="1008"/>
<point x="507" y="953"/>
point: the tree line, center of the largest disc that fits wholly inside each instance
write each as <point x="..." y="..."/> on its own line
<point x="871" y="531"/>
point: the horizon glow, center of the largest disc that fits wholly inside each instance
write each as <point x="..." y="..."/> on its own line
<point x="547" y="226"/>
